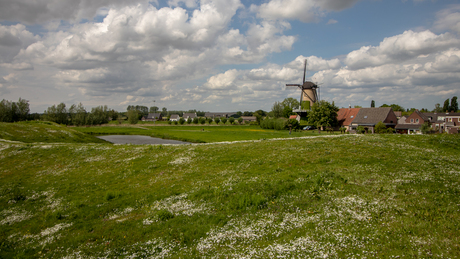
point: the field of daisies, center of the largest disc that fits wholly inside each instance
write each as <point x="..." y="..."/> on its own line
<point x="327" y="196"/>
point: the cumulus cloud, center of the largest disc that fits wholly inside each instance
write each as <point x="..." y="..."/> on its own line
<point x="400" y="48"/>
<point x="302" y="10"/>
<point x="448" y="19"/>
<point x="41" y="11"/>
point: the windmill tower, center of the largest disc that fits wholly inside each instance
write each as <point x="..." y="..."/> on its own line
<point x="309" y="89"/>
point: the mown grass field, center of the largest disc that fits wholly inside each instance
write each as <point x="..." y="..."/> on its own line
<point x="197" y="133"/>
<point x="338" y="196"/>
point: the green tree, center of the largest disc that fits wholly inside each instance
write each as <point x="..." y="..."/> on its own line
<point x="323" y="114"/>
<point x="372" y="104"/>
<point x="23" y="109"/>
<point x="453" y="104"/>
<point x="277" y="110"/>
<point x="181" y="121"/>
<point x="426" y="127"/>
<point x="380" y="128"/>
<point x="445" y="108"/>
<point x="224" y="120"/>
<point x="209" y="120"/>
<point x="202" y="120"/>
<point x="290" y="102"/>
<point x="231" y="120"/>
<point x="196" y="120"/>
<point x="80" y="115"/>
<point x="100" y="115"/>
<point x="437" y="108"/>
<point x="217" y="120"/>
<point x="287" y="111"/>
<point x="133" y="116"/>
<point x="240" y="120"/>
<point x="189" y="120"/>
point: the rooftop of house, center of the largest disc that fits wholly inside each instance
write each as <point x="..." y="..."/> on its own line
<point x="372" y="116"/>
<point x="346" y="115"/>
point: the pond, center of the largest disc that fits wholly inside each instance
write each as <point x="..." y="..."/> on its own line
<point x="139" y="140"/>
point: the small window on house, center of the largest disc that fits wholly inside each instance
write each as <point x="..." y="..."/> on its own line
<point x="351" y="116"/>
<point x="411" y="120"/>
<point x="416" y="120"/>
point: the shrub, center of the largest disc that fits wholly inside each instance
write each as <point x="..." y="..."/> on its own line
<point x="181" y="121"/>
<point x="202" y="120"/>
<point x="175" y="122"/>
<point x="231" y="120"/>
<point x="380" y="128"/>
<point x="209" y="120"/>
<point x="224" y="120"/>
<point x="195" y="120"/>
<point x="240" y="120"/>
<point x="189" y="120"/>
<point x="217" y="120"/>
<point x="360" y="130"/>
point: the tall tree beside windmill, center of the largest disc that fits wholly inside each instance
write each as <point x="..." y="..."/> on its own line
<point x="309" y="95"/>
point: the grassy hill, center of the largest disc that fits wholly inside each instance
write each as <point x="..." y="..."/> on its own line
<point x="337" y="196"/>
<point x="43" y="131"/>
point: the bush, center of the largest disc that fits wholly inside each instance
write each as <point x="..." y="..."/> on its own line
<point x="224" y="120"/>
<point x="240" y="120"/>
<point x="202" y="120"/>
<point x="380" y="128"/>
<point x="181" y="121"/>
<point x="175" y="122"/>
<point x="209" y="120"/>
<point x="277" y="124"/>
<point x="231" y="120"/>
<point x="189" y="120"/>
<point x="195" y="120"/>
<point x="217" y="120"/>
<point x="360" y="130"/>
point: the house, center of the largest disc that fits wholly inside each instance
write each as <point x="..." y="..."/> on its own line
<point x="191" y="115"/>
<point x="444" y="121"/>
<point x="412" y="124"/>
<point x="398" y="114"/>
<point x="152" y="117"/>
<point x="369" y="117"/>
<point x="402" y="120"/>
<point x="248" y="118"/>
<point x="345" y="116"/>
<point x="295" y="117"/>
<point x="174" y="117"/>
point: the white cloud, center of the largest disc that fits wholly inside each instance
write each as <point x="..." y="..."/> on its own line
<point x="400" y="48"/>
<point x="302" y="10"/>
<point x="448" y="19"/>
<point x="332" y="21"/>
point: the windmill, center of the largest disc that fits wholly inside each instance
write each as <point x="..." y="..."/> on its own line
<point x="309" y="89"/>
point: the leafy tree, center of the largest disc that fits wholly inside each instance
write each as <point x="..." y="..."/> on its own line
<point x="133" y="116"/>
<point x="453" y="104"/>
<point x="380" y="128"/>
<point x="357" y="106"/>
<point x="240" y="120"/>
<point x="426" y="127"/>
<point x="290" y="102"/>
<point x="100" y="115"/>
<point x="217" y="120"/>
<point x="181" y="121"/>
<point x="259" y="114"/>
<point x="23" y="109"/>
<point x="246" y="113"/>
<point x="295" y="125"/>
<point x="80" y="115"/>
<point x="113" y="114"/>
<point x="445" y="108"/>
<point x="231" y="120"/>
<point x="196" y="120"/>
<point x="189" y="120"/>
<point x="153" y="109"/>
<point x="277" y="110"/>
<point x="239" y="113"/>
<point x="324" y="114"/>
<point x="209" y="120"/>
<point x="202" y="120"/>
<point x="224" y="120"/>
<point x="372" y="104"/>
<point x="287" y="111"/>
<point x="437" y="108"/>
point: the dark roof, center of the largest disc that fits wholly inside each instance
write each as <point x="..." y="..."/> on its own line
<point x="422" y="115"/>
<point x="408" y="126"/>
<point x="174" y="116"/>
<point x="372" y="116"/>
<point x="154" y="115"/>
<point x="189" y="114"/>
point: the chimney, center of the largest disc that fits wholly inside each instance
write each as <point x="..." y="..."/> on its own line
<point x="349" y="106"/>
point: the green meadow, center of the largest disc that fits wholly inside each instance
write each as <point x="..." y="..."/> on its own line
<point x="314" y="196"/>
<point x="196" y="133"/>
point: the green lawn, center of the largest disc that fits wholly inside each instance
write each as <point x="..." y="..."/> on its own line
<point x="338" y="196"/>
<point x="198" y="133"/>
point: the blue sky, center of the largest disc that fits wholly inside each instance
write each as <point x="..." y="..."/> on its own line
<point x="228" y="55"/>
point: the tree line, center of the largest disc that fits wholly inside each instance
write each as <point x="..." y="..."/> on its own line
<point x="14" y="111"/>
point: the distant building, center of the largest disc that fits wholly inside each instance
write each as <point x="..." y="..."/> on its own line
<point x="295" y="117"/>
<point x="190" y="115"/>
<point x="345" y="116"/>
<point x="174" y="117"/>
<point x="369" y="117"/>
<point x="152" y="117"/>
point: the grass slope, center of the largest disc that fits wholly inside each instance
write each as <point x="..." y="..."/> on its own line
<point x="337" y="196"/>
<point x="46" y="132"/>
<point x="197" y="134"/>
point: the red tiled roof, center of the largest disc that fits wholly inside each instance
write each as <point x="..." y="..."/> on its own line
<point x="346" y="115"/>
<point x="293" y="117"/>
